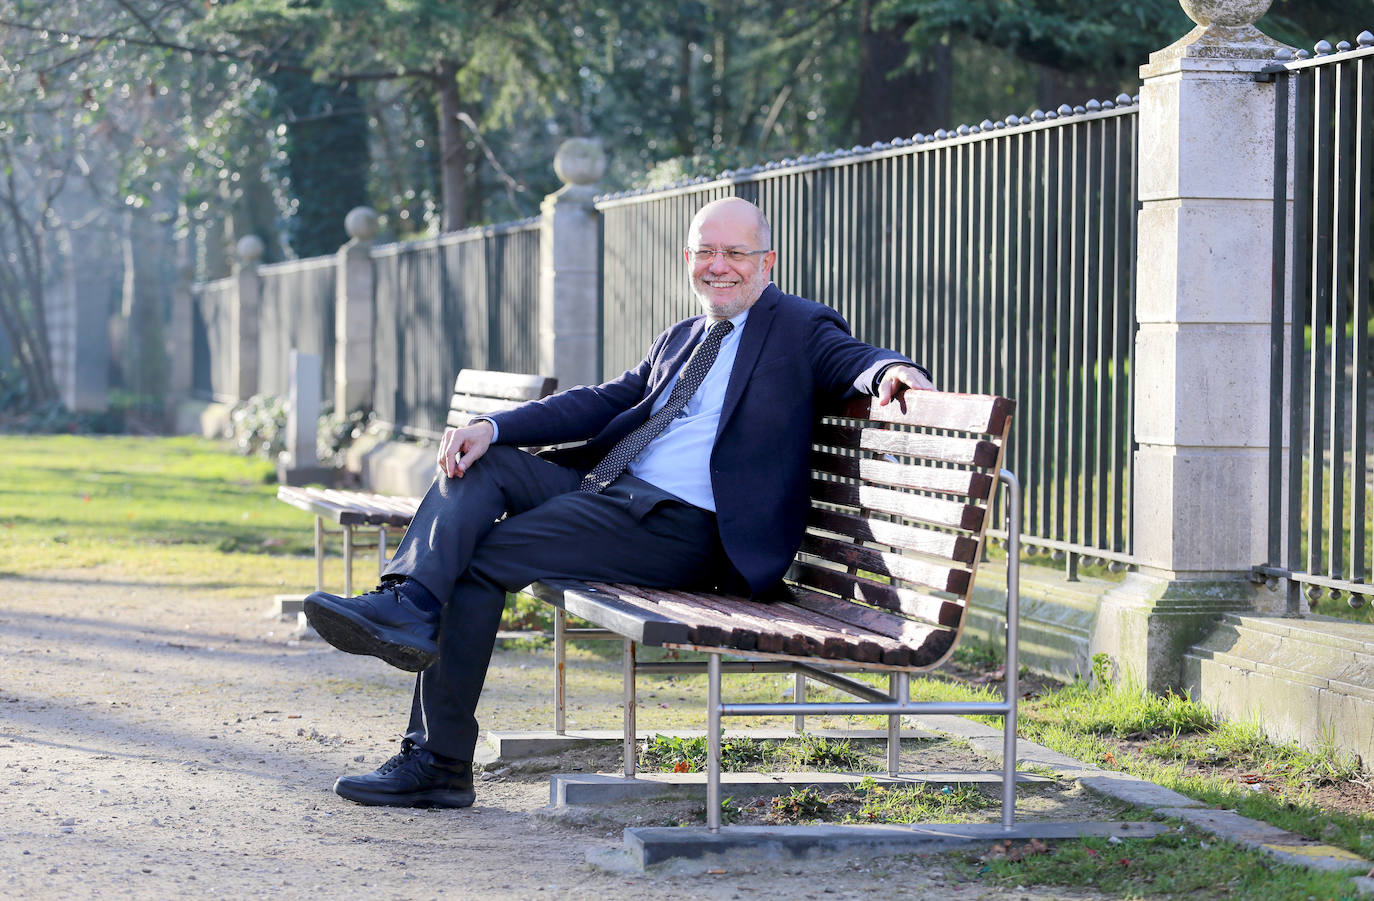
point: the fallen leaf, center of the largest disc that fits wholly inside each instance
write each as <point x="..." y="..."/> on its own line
<point x="681" y="767"/>
<point x="1125" y="861"/>
<point x="1091" y="852"/>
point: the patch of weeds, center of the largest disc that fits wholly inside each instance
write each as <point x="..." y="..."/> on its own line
<point x="918" y="803"/>
<point x="978" y="655"/>
<point x="815" y="752"/>
<point x="730" y="812"/>
<point x="801" y="805"/>
<point x="1122" y="709"/>
<point x="673" y="754"/>
<point x="1177" y="864"/>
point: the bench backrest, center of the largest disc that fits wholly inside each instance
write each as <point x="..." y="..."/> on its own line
<point x="899" y="510"/>
<point x="479" y="391"/>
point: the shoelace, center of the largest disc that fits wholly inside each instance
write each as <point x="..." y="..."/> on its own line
<point x="407" y="750"/>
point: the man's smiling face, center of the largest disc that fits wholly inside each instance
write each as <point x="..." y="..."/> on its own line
<point x="725" y="288"/>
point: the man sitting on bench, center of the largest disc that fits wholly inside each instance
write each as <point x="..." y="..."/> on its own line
<point x="694" y="474"/>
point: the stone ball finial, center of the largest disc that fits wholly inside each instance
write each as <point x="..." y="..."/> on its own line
<point x="580" y="161"/>
<point x="250" y="249"/>
<point x="361" y="223"/>
<point x="1228" y="13"/>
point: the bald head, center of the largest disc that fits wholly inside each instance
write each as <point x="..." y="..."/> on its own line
<point x="727" y="287"/>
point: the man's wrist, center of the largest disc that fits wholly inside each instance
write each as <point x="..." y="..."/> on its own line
<point x="495" y="429"/>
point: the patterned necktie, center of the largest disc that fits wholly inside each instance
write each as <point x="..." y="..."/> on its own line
<point x="629" y="447"/>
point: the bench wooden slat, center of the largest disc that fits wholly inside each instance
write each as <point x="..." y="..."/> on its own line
<point x="610" y="611"/>
<point x="513" y="386"/>
<point x="908" y="632"/>
<point x="979" y="414"/>
<point x="941" y="578"/>
<point x="707" y="626"/>
<point x="917" y="477"/>
<point x="949" y="545"/>
<point x="469" y="405"/>
<point x="978" y="452"/>
<point x="935" y="511"/>
<point x="936" y="610"/>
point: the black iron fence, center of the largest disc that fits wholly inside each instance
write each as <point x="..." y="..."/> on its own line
<point x="463" y="300"/>
<point x="1000" y="255"/>
<point x="212" y="337"/>
<point x="1320" y="539"/>
<point x="297" y="313"/>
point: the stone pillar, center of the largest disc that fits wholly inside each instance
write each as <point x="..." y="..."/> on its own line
<point x="353" y="313"/>
<point x="569" y="274"/>
<point x="179" y="337"/>
<point x="245" y="326"/>
<point x="1200" y="496"/>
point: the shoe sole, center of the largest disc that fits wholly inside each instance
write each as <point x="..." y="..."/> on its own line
<point x="430" y="798"/>
<point x="355" y="635"/>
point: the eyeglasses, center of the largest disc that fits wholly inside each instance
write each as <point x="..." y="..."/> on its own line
<point x="704" y="255"/>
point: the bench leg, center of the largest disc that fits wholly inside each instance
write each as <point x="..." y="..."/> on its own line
<point x="629" y="709"/>
<point x="713" y="743"/>
<point x="1012" y="655"/>
<point x="900" y="689"/>
<point x="381" y="552"/>
<point x="560" y="671"/>
<point x="799" y="696"/>
<point x="319" y="553"/>
<point x="348" y="561"/>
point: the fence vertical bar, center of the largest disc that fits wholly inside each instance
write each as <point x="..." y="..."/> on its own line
<point x="1302" y="84"/>
<point x="1278" y="247"/>
<point x="1363" y="220"/>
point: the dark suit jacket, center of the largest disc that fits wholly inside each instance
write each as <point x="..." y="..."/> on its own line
<point x="794" y="355"/>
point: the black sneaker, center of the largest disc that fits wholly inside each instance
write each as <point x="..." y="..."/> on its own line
<point x="383" y="623"/>
<point x="412" y="778"/>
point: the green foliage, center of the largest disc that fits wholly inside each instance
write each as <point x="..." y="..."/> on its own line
<point x="801" y="805"/>
<point x="808" y="751"/>
<point x="917" y="803"/>
<point x="154" y="510"/>
<point x="258" y="426"/>
<point x="1067" y="35"/>
<point x="1177" y="865"/>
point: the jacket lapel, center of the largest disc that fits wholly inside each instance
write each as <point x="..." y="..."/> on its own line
<point x="750" y="344"/>
<point x="673" y="360"/>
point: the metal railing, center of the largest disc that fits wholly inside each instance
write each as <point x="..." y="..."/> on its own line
<point x="1320" y="541"/>
<point x="296" y="313"/>
<point x="1001" y="255"/>
<point x="212" y="339"/>
<point x="463" y="300"/>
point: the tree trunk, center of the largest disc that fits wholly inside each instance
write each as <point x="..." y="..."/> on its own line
<point x="895" y="100"/>
<point x="453" y="160"/>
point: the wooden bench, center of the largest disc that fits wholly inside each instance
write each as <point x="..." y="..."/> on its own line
<point x="900" y="507"/>
<point x="475" y="392"/>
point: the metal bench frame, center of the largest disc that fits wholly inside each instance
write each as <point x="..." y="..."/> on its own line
<point x="600" y="607"/>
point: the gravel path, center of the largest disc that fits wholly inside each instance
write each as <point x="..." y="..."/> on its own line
<point x="155" y="745"/>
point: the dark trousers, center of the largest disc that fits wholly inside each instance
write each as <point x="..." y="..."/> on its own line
<point x="460" y="548"/>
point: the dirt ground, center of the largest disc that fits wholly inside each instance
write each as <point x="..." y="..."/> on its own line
<point x="157" y="745"/>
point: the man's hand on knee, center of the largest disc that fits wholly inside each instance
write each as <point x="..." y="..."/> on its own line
<point x="462" y="447"/>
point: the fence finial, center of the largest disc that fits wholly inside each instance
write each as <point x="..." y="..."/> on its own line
<point x="1227" y="13"/>
<point x="361" y="224"/>
<point x="1366" y="39"/>
<point x="580" y="161"/>
<point x="250" y="249"/>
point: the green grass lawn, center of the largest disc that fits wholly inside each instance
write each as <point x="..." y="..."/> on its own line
<point x="163" y="510"/>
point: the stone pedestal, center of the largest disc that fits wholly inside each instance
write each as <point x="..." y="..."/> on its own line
<point x="1200" y="496"/>
<point x="353" y="313"/>
<point x="299" y="463"/>
<point x="245" y="322"/>
<point x="569" y="284"/>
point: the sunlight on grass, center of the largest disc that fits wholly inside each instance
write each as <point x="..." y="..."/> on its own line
<point x="159" y="510"/>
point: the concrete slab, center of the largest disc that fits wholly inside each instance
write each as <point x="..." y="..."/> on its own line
<point x="1288" y="847"/>
<point x="743" y="845"/>
<point x="287" y="605"/>
<point x="1133" y="790"/>
<point x="588" y="789"/>
<point x="511" y="745"/>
